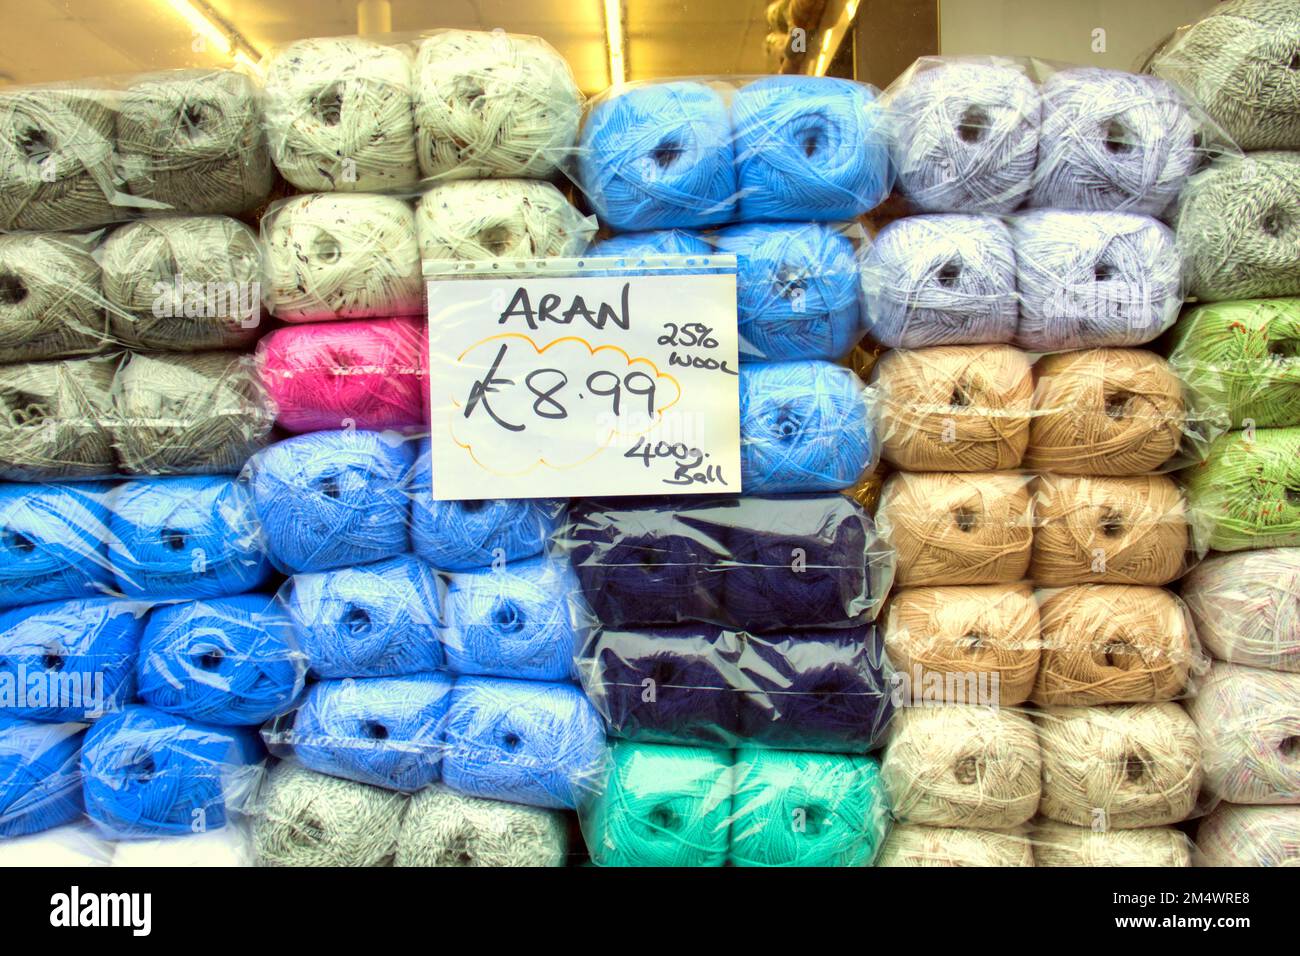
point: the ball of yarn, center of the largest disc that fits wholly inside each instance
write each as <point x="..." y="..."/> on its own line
<point x="183" y="283"/>
<point x="230" y="846"/>
<point x="1250" y="734"/>
<point x="50" y="303"/>
<point x="805" y="809"/>
<point x="224" y="661"/>
<point x="1239" y="228"/>
<point x="1246" y="493"/>
<point x="52" y="542"/>
<point x="499" y="219"/>
<point x="804" y="427"/>
<point x="148" y="773"/>
<point x="55" y="419"/>
<point x="964" y="134"/>
<point x="1114" y="643"/>
<point x="522" y="741"/>
<point x="56" y="158"/>
<point x="40" y="781"/>
<point x="796" y="290"/>
<point x="339" y="115"/>
<point x="661" y="806"/>
<point x="808" y="147"/>
<point x="1244" y="358"/>
<point x="72" y="845"/>
<point x="1104" y="412"/>
<point x="342" y="255"/>
<point x="308" y="819"/>
<point x="1238" y="63"/>
<point x="659" y="155"/>
<point x="910" y="844"/>
<point x="333" y="499"/>
<point x="972" y="528"/>
<point x="379" y="620"/>
<point x="661" y="242"/>
<point x="1108" y="531"/>
<point x="191" y="537"/>
<point x="1247" y="607"/>
<point x="955" y="407"/>
<point x="1089" y="279"/>
<point x="371" y="375"/>
<point x="491" y="104"/>
<point x="1249" y="836"/>
<point x="1112" y="140"/>
<point x="70" y="660"/>
<point x="962" y="767"/>
<point x="444" y="828"/>
<point x="512" y="621"/>
<point x="940" y="280"/>
<point x="192" y="140"/>
<point x="1058" y="844"/>
<point x="1119" y="767"/>
<point x="204" y="413"/>
<point x="972" y="644"/>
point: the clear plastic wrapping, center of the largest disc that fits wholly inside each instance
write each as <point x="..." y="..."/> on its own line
<point x="1246" y="491"/>
<point x="40" y="785"/>
<point x="1249" y="836"/>
<point x="51" y="303"/>
<point x="1247" y="607"/>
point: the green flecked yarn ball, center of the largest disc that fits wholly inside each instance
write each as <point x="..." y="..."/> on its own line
<point x="1243" y="357"/>
<point x="661" y="806"/>
<point x="807" y="809"/>
<point x="1246" y="494"/>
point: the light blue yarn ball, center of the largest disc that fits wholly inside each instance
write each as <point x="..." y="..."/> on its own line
<point x="809" y="147"/>
<point x="40" y="776"/>
<point x="527" y="742"/>
<point x="384" y="731"/>
<point x="796" y="290"/>
<point x="512" y="621"/>
<point x="224" y="661"/>
<point x="662" y="242"/>
<point x="75" y="658"/>
<point x="333" y="499"/>
<point x="804" y="426"/>
<point x="941" y="280"/>
<point x="379" y="620"/>
<point x="185" y="537"/>
<point x="659" y="156"/>
<point x="52" y="542"/>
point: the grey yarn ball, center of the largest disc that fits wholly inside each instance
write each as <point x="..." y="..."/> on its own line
<point x="1239" y="228"/>
<point x="309" y="819"/>
<point x="192" y="140"/>
<point x="445" y="828"/>
<point x="56" y="159"/>
<point x="50" y="300"/>
<point x="183" y="283"/>
<point x="55" y="419"/>
<point x="1241" y="64"/>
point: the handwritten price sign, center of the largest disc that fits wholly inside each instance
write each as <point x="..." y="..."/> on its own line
<point x="582" y="385"/>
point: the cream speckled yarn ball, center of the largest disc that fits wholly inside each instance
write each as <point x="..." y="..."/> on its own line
<point x="1247" y="607"/>
<point x="56" y="419"/>
<point x="1234" y="835"/>
<point x="915" y="845"/>
<point x="232" y="845"/>
<point x="445" y="828"/>
<point x="1059" y="844"/>
<point x="1119" y="767"/>
<point x="499" y="219"/>
<point x="51" y="305"/>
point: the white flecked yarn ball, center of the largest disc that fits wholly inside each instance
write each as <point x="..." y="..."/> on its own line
<point x="1060" y="844"/>
<point x="499" y="219"/>
<point x="1247" y="607"/>
<point x="1234" y="835"/>
<point x="915" y="845"/>
<point x="445" y="828"/>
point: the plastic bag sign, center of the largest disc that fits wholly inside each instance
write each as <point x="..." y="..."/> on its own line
<point x="570" y="386"/>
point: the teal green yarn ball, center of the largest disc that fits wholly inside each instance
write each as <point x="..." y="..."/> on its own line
<point x="661" y="806"/>
<point x="806" y="809"/>
<point x="1246" y="493"/>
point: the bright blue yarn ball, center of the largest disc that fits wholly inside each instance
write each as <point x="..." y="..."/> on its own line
<point x="185" y="537"/>
<point x="333" y="499"/>
<point x="804" y="426"/>
<point x="52" y="542"/>
<point x="796" y="290"/>
<point x="40" y="779"/>
<point x="378" y="620"/>
<point x="224" y="661"/>
<point x="809" y="147"/>
<point x="512" y="621"/>
<point x="660" y="156"/>
<point x="662" y="242"/>
<point x="523" y="742"/>
<point x="148" y="773"/>
<point x="384" y="731"/>
<point x="75" y="658"/>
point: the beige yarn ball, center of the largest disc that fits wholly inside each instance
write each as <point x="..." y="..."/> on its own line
<point x="915" y="845"/>
<point x="445" y="828"/>
<point x="1059" y="844"/>
<point x="1234" y="835"/>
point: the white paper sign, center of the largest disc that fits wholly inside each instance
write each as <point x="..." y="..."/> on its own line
<point x="570" y="386"/>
